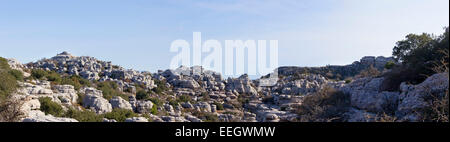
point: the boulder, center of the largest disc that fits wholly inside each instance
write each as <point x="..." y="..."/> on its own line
<point x="118" y="102"/>
<point x="94" y="100"/>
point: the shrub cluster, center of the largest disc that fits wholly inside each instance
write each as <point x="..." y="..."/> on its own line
<point x="8" y="79"/>
<point x="110" y="89"/>
<point x="120" y="114"/>
<point x="326" y="105"/>
<point x="50" y="107"/>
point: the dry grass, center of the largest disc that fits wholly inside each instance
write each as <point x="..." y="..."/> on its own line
<point x="326" y="105"/>
<point x="10" y="110"/>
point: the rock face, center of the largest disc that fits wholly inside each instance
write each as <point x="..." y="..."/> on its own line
<point x="66" y="94"/>
<point x="241" y="85"/>
<point x="341" y="72"/>
<point x="368" y="100"/>
<point x="93" y="69"/>
<point x="39" y="116"/>
<point x="413" y="97"/>
<point x="118" y="102"/>
<point x="193" y="94"/>
<point x="366" y="95"/>
<point x="300" y="85"/>
<point x="94" y="100"/>
<point x="144" y="106"/>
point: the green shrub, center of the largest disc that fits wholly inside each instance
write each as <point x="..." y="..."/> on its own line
<point x="389" y="65"/>
<point x="156" y="101"/>
<point x="50" y="107"/>
<point x="142" y="95"/>
<point x="219" y="106"/>
<point x="53" y="77"/>
<point x="184" y="98"/>
<point x="8" y="84"/>
<point x="173" y="103"/>
<point x="80" y="98"/>
<point x="347" y="81"/>
<point x="75" y="81"/>
<point x="154" y="110"/>
<point x="38" y="73"/>
<point x="110" y="89"/>
<point x="17" y="74"/>
<point x="161" y="87"/>
<point x="4" y="64"/>
<point x="8" y="80"/>
<point x="419" y="55"/>
<point x="120" y="114"/>
<point x="83" y="116"/>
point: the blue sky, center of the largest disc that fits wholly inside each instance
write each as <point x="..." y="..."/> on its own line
<point x="137" y="33"/>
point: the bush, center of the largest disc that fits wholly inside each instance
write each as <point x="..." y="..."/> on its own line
<point x="76" y="81"/>
<point x="50" y="107"/>
<point x="53" y="77"/>
<point x="154" y="110"/>
<point x="80" y="98"/>
<point x="421" y="55"/>
<point x="83" y="116"/>
<point x="110" y="89"/>
<point x="173" y="103"/>
<point x="161" y="87"/>
<point x="38" y="73"/>
<point x="4" y="64"/>
<point x="219" y="106"/>
<point x="120" y="114"/>
<point x="437" y="108"/>
<point x="17" y="74"/>
<point x="184" y="98"/>
<point x="8" y="79"/>
<point x="156" y="101"/>
<point x="142" y="95"/>
<point x="369" y="72"/>
<point x="399" y="74"/>
<point x="389" y="65"/>
<point x="325" y="105"/>
<point x="347" y="81"/>
<point x="8" y="84"/>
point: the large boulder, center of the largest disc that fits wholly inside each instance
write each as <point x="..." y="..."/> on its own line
<point x="144" y="106"/>
<point x="366" y="95"/>
<point x="242" y="85"/>
<point x="94" y="100"/>
<point x="66" y="94"/>
<point x="118" y="102"/>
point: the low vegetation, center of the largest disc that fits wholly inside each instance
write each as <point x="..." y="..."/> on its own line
<point x="421" y="56"/>
<point x="326" y="105"/>
<point x="8" y="79"/>
<point x="110" y="89"/>
<point x="10" y="110"/>
<point x="50" y="107"/>
<point x="120" y="114"/>
<point x="83" y="115"/>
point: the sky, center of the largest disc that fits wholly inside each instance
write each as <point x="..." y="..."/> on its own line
<point x="137" y="34"/>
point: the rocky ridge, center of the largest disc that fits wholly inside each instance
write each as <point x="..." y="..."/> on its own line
<point x="192" y="94"/>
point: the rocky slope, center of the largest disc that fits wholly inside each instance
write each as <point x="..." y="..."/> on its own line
<point x="192" y="94"/>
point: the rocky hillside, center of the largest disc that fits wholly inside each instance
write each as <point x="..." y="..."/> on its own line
<point x="67" y="88"/>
